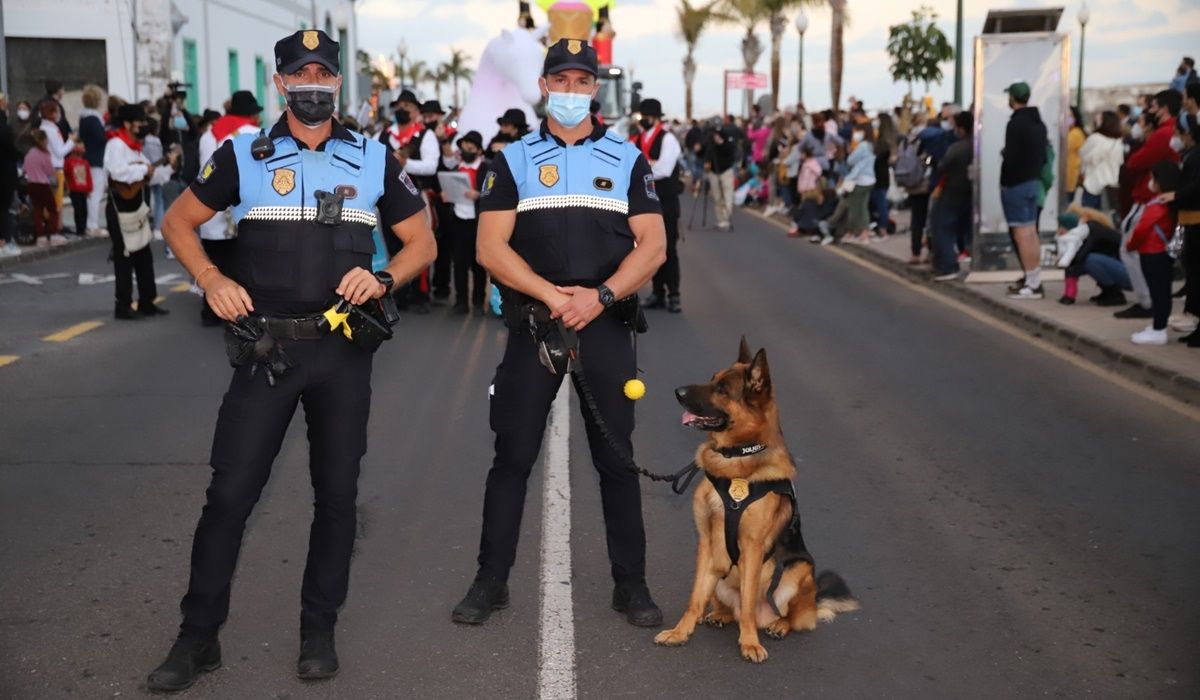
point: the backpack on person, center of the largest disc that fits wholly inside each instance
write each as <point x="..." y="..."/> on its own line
<point x="912" y="165"/>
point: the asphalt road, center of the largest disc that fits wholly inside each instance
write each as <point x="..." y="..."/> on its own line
<point x="1014" y="525"/>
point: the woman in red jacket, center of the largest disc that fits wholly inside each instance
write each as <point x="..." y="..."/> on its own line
<point x="1149" y="241"/>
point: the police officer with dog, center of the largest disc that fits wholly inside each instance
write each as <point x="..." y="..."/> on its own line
<point x="571" y="227"/>
<point x="304" y="313"/>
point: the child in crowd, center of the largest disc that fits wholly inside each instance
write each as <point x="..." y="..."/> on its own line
<point x="41" y="180"/>
<point x="78" y="174"/>
<point x="1149" y="241"/>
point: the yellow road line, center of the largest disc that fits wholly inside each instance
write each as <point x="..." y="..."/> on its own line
<point x="8" y="359"/>
<point x="182" y="287"/>
<point x="75" y="330"/>
<point x="1192" y="412"/>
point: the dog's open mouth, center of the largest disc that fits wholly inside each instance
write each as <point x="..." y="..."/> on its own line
<point x="704" y="422"/>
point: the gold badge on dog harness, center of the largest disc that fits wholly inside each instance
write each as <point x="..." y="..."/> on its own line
<point x="739" y="489"/>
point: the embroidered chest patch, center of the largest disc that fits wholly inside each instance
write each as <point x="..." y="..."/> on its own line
<point x="548" y="175"/>
<point x="284" y="181"/>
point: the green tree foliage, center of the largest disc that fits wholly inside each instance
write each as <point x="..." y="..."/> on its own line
<point x="918" y="49"/>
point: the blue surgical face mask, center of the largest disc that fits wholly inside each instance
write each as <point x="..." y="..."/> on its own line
<point x="569" y="108"/>
<point x="181" y="122"/>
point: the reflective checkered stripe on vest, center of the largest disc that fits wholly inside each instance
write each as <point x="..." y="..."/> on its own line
<point x="285" y="259"/>
<point x="573" y="209"/>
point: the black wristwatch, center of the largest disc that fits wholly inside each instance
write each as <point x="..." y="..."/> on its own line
<point x="606" y="296"/>
<point x="385" y="278"/>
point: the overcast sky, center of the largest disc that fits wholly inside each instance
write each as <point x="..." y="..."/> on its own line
<point x="1128" y="41"/>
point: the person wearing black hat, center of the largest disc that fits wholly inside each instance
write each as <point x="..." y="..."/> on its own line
<point x="127" y="213"/>
<point x="570" y="225"/>
<point x="662" y="150"/>
<point x="401" y="137"/>
<point x="304" y="197"/>
<point x="436" y="154"/>
<point x="462" y="222"/>
<point x="513" y="123"/>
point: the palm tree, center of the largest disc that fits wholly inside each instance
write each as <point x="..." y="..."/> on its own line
<point x="457" y="69"/>
<point x="838" y="23"/>
<point x="778" y="24"/>
<point x="438" y="76"/>
<point x="748" y="13"/>
<point x="415" y="73"/>
<point x="693" y="20"/>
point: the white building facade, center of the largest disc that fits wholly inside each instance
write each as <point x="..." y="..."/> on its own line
<point x="133" y="48"/>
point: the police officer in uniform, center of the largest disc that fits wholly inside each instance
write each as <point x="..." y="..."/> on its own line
<point x="569" y="218"/>
<point x="661" y="149"/>
<point x="304" y="197"/>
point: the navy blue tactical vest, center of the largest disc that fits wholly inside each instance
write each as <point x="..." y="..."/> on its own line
<point x="573" y="206"/>
<point x="289" y="263"/>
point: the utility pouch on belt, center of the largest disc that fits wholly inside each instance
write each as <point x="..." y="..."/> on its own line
<point x="247" y="343"/>
<point x="631" y="314"/>
<point x="557" y="345"/>
<point x="366" y="325"/>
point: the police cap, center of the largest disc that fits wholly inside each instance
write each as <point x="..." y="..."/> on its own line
<point x="304" y="47"/>
<point x="568" y="54"/>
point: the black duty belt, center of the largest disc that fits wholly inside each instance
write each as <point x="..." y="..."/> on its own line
<point x="303" y="328"/>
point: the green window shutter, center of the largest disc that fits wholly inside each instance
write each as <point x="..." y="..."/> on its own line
<point x="234" y="82"/>
<point x="260" y="80"/>
<point x="191" y="75"/>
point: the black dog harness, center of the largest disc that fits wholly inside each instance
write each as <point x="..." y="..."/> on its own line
<point x="737" y="495"/>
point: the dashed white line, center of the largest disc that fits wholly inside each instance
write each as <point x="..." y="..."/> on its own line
<point x="556" y="653"/>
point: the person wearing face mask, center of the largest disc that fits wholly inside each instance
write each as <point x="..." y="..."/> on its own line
<point x="1164" y="108"/>
<point x="306" y="195"/>
<point x="512" y="127"/>
<point x="1185" y="74"/>
<point x="569" y="219"/>
<point x="402" y="137"/>
<point x="469" y="276"/>
<point x="436" y="153"/>
<point x="130" y="175"/>
<point x="1186" y="199"/>
<point x="662" y="150"/>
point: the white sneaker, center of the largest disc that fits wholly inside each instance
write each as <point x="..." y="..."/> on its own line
<point x="826" y="240"/>
<point x="157" y="235"/>
<point x="10" y="249"/>
<point x="42" y="242"/>
<point x="1027" y="292"/>
<point x="815" y="238"/>
<point x="1184" y="323"/>
<point x="58" y="239"/>
<point x="1149" y="336"/>
<point x="949" y="277"/>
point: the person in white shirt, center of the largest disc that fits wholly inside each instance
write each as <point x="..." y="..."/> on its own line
<point x="1100" y="161"/>
<point x="464" y="225"/>
<point x="662" y="151"/>
<point x="59" y="148"/>
<point x="217" y="234"/>
<point x="435" y="153"/>
<point x="129" y="175"/>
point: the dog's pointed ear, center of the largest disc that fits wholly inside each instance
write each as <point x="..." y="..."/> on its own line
<point x="744" y="352"/>
<point x="758" y="376"/>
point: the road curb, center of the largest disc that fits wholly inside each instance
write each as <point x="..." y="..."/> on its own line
<point x="1161" y="379"/>
<point x="43" y="253"/>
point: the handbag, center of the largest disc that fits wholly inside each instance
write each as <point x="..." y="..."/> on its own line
<point x="1175" y="245"/>
<point x="135" y="228"/>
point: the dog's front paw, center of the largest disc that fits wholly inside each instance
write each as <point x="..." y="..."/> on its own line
<point x="754" y="653"/>
<point x="778" y="629"/>
<point x="718" y="619"/>
<point x="672" y="638"/>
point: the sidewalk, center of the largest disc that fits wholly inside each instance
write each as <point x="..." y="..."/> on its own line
<point x="1083" y="328"/>
<point x="30" y="253"/>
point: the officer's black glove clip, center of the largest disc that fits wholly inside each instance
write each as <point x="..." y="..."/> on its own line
<point x="247" y="342"/>
<point x="558" y="346"/>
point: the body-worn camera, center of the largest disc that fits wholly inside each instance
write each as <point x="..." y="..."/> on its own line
<point x="329" y="207"/>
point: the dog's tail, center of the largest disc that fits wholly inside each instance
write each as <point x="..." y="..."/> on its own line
<point x="833" y="596"/>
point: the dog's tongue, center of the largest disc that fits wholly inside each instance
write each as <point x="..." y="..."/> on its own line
<point x="689" y="417"/>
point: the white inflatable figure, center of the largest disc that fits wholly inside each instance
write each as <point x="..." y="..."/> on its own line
<point x="507" y="78"/>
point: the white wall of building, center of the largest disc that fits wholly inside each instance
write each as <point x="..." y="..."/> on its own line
<point x="250" y="27"/>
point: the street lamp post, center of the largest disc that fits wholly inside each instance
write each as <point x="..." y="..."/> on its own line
<point x="401" y="52"/>
<point x="801" y="27"/>
<point x="958" y="47"/>
<point x="1084" y="16"/>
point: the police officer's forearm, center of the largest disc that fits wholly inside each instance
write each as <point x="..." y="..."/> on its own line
<point x="418" y="253"/>
<point x="640" y="265"/>
<point x="503" y="264"/>
<point x="180" y="234"/>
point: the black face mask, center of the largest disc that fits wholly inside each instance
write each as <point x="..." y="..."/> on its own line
<point x="647" y="123"/>
<point x="403" y="117"/>
<point x="469" y="157"/>
<point x="818" y="132"/>
<point x="143" y="131"/>
<point x="431" y="123"/>
<point x="310" y="104"/>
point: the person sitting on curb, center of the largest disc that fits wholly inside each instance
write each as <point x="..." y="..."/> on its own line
<point x="1093" y="247"/>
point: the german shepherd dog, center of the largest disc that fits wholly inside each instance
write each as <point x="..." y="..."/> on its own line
<point x="766" y="581"/>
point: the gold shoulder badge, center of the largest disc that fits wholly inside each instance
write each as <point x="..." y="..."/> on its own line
<point x="739" y="489"/>
<point x="574" y="46"/>
<point x="310" y="40"/>
<point x="548" y="175"/>
<point x="284" y="181"/>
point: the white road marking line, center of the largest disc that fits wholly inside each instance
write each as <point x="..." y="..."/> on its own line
<point x="556" y="653"/>
<point x="27" y="279"/>
<point x="1191" y="412"/>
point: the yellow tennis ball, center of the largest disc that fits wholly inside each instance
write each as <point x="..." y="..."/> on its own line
<point x="635" y="389"/>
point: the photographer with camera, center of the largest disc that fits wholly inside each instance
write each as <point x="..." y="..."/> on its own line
<point x="720" y="157"/>
<point x="304" y="197"/>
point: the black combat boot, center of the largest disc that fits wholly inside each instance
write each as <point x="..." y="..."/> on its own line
<point x="673" y="303"/>
<point x="484" y="596"/>
<point x="318" y="658"/>
<point x="634" y="600"/>
<point x="188" y="658"/>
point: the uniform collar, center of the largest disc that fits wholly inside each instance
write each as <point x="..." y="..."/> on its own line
<point x="598" y="130"/>
<point x="281" y="129"/>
